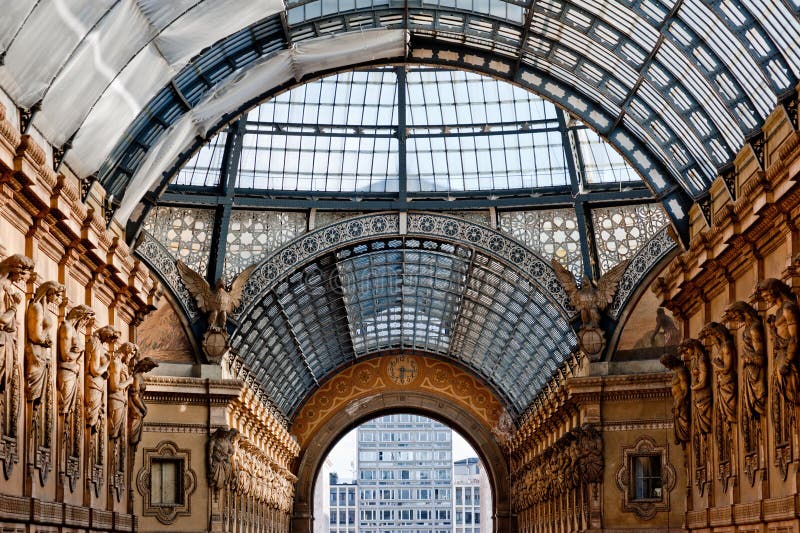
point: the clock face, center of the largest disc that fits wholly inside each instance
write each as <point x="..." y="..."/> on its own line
<point x="402" y="370"/>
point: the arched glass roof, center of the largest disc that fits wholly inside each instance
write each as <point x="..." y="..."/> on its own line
<point x="329" y="188"/>
<point x="677" y="86"/>
<point x="415" y="131"/>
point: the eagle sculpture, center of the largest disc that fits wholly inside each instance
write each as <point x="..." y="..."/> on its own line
<point x="216" y="302"/>
<point x="590" y="300"/>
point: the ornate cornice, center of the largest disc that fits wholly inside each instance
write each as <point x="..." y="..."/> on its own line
<point x="744" y="229"/>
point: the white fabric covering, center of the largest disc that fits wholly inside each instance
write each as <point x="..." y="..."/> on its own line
<point x="89" y="72"/>
<point x="46" y="40"/>
<point x="89" y="60"/>
<point x="116" y="109"/>
<point x="204" y="25"/>
<point x="307" y="57"/>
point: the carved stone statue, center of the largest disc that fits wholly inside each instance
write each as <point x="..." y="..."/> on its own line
<point x="137" y="409"/>
<point x="221" y="447"/>
<point x="591" y="453"/>
<point x="98" y="361"/>
<point x="590" y="301"/>
<point x="754" y="363"/>
<point x="724" y="363"/>
<point x="119" y="379"/>
<point x="38" y="349"/>
<point x="217" y="303"/>
<point x="13" y="269"/>
<point x="71" y="347"/>
<point x="695" y="354"/>
<point x="784" y="329"/>
<point x="680" y="397"/>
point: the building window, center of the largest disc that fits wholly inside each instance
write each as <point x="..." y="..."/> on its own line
<point x="645" y="478"/>
<point x="166" y="482"/>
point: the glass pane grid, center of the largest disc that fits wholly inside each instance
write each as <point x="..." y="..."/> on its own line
<point x="272" y="354"/>
<point x="601" y="163"/>
<point x="316" y="312"/>
<point x="205" y="167"/>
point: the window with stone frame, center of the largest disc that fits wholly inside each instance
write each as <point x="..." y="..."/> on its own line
<point x="646" y="478"/>
<point x="166" y="482"/>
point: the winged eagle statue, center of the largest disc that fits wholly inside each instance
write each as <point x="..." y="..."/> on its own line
<point x="217" y="303"/>
<point x="591" y="301"/>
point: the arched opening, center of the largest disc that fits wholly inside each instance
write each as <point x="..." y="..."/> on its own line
<point x="404" y="473"/>
<point x="424" y="403"/>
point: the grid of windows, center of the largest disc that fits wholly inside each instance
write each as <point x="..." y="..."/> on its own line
<point x="405" y="475"/>
<point x="343" y="510"/>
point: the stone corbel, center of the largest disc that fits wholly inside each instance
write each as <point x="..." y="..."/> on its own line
<point x="9" y="139"/>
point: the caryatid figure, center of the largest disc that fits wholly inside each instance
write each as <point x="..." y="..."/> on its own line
<point x="754" y="362"/>
<point x="98" y="361"/>
<point x="681" y="383"/>
<point x="13" y="269"/>
<point x="695" y="354"/>
<point x="119" y="379"/>
<point x="724" y="363"/>
<point x="38" y="349"/>
<point x="784" y="328"/>
<point x="137" y="409"/>
<point x="71" y="347"/>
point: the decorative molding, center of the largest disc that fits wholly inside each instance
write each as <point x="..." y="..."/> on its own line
<point x="156" y="427"/>
<point x="639" y="267"/>
<point x="166" y="514"/>
<point x="638" y="425"/>
<point x="163" y="263"/>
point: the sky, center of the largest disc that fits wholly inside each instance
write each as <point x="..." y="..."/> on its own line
<point x="343" y="455"/>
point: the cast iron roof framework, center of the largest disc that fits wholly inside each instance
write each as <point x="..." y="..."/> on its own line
<point x="418" y="281"/>
<point x="402" y="138"/>
<point x="406" y="138"/>
<point x="677" y="85"/>
<point x="408" y="292"/>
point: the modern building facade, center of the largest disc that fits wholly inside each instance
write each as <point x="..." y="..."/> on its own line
<point x="471" y="497"/>
<point x="405" y="473"/>
<point x="343" y="503"/>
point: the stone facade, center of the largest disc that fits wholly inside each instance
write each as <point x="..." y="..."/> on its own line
<point x="735" y="291"/>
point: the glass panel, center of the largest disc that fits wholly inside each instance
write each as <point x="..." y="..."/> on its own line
<point x="647" y="477"/>
<point x="204" y="168"/>
<point x="601" y="163"/>
<point x="165" y="488"/>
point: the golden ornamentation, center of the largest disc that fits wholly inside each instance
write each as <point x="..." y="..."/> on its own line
<point x="418" y="373"/>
